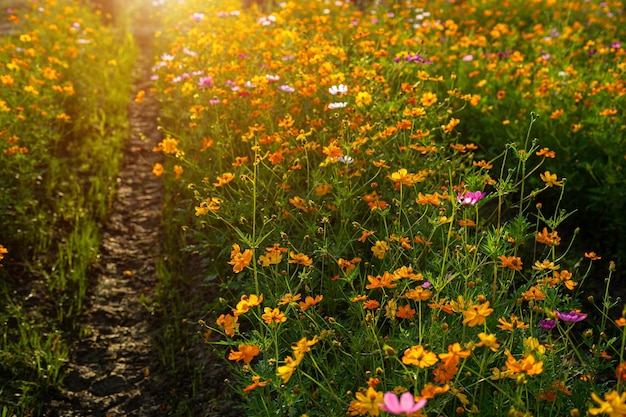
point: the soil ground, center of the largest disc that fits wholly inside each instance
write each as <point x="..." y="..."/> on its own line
<point x="115" y="369"/>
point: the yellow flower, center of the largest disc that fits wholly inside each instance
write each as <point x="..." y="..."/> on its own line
<point x="550" y="179"/>
<point x="428" y="99"/>
<point x="475" y="315"/>
<point x="614" y="404"/>
<point x="380" y="248"/>
<point x="418" y="356"/>
<point x="363" y="98"/>
<point x="488" y="340"/>
<point x="546" y="264"/>
<point x="286" y="371"/>
<point x="3" y="251"/>
<point x="366" y="402"/>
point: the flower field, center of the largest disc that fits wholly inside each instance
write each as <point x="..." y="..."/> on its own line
<point x="62" y="127"/>
<point x="380" y="194"/>
<point x="399" y="203"/>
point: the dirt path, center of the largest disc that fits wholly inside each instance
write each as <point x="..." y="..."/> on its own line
<point x="110" y="366"/>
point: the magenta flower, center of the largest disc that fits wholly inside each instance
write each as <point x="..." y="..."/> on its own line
<point x="571" y="317"/>
<point x="404" y="405"/>
<point x="547" y="324"/>
<point x="470" y="198"/>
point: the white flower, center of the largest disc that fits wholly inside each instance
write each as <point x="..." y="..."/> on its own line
<point x="338" y="105"/>
<point x="338" y="89"/>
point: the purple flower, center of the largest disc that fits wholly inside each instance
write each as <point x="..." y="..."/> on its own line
<point x="414" y="58"/>
<point x="404" y="405"/>
<point x="571" y="317"/>
<point x="286" y="88"/>
<point x="470" y="198"/>
<point x="547" y="324"/>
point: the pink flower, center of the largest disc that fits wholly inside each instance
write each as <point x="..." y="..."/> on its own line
<point x="404" y="405"/>
<point x="470" y="197"/>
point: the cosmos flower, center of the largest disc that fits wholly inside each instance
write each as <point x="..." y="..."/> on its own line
<point x="470" y="198"/>
<point x="571" y="317"/>
<point x="406" y="404"/>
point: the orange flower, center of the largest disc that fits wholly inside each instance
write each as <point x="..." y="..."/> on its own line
<point x="246" y="303"/>
<point x="405" y="312"/>
<point x="371" y="305"/>
<point x="384" y="281"/>
<point x="228" y="323"/>
<point x="288" y="299"/>
<point x="527" y="364"/>
<point x="407" y="272"/>
<point x="432" y="199"/>
<point x="364" y="235"/>
<point x="545" y="152"/>
<point x="224" y="179"/>
<point x="402" y="176"/>
<point x="238" y="259"/>
<point x="348" y="266"/>
<point x="168" y="146"/>
<point x="418" y="356"/>
<point x="428" y="99"/>
<point x="273" y="255"/>
<point x="418" y="294"/>
<point x="273" y="316"/>
<point x="157" y="169"/>
<point x="245" y="353"/>
<point x="256" y="383"/>
<point x="566" y="277"/>
<point x="310" y="302"/>
<point x="447" y="128"/>
<point x="512" y="325"/>
<point x="323" y="189"/>
<point x="534" y="293"/>
<point x="431" y="390"/>
<point x="455" y="353"/>
<point x="592" y="256"/>
<point x="513" y="262"/>
<point x="3" y="251"/>
<point x="444" y="372"/>
<point x="300" y="258"/>
<point x="548" y="238"/>
<point x="620" y="372"/>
